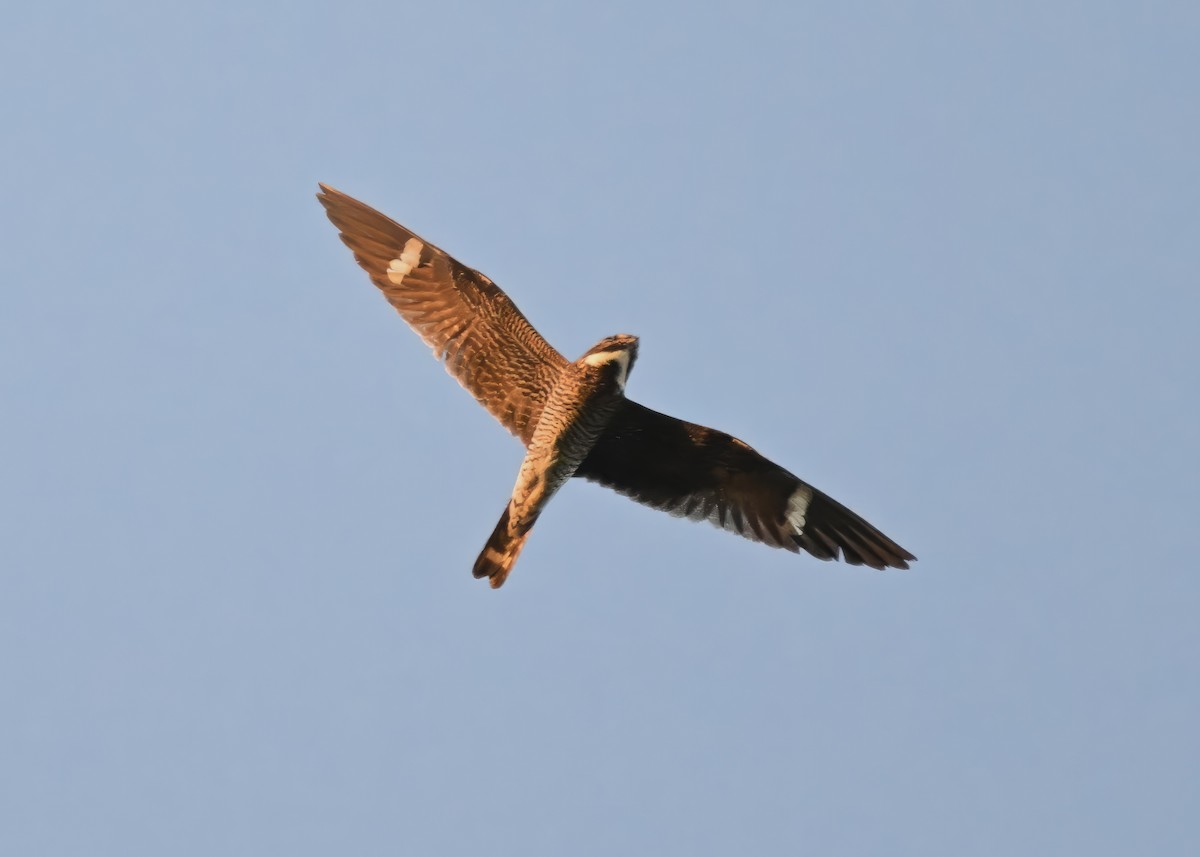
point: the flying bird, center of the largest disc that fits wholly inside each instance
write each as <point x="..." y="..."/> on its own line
<point x="574" y="418"/>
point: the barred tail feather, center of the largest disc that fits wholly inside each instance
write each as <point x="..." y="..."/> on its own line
<point x="501" y="551"/>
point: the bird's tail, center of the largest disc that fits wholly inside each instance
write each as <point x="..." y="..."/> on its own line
<point x="502" y="549"/>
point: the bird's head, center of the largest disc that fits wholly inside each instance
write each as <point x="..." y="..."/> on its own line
<point x="615" y="355"/>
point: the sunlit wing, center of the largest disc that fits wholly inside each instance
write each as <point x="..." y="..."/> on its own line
<point x="471" y="325"/>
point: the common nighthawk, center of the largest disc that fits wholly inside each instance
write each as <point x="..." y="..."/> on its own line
<point x="574" y="418"/>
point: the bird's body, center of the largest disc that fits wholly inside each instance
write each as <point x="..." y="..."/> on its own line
<point x="580" y="407"/>
<point x="575" y="420"/>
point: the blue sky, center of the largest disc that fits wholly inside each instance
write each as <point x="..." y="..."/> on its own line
<point x="938" y="259"/>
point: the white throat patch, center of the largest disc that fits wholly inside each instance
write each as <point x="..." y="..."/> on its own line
<point x="410" y="257"/>
<point x="621" y="358"/>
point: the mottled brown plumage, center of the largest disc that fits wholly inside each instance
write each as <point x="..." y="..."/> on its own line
<point x="588" y="394"/>
<point x="470" y="324"/>
<point x="575" y="420"/>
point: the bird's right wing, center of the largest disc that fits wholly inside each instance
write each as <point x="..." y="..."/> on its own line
<point x="700" y="473"/>
<point x="471" y="325"/>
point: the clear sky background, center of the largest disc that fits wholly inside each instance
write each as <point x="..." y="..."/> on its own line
<point x="939" y="259"/>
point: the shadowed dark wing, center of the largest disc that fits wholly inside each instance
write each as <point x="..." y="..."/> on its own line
<point x="699" y="473"/>
<point x="471" y="325"/>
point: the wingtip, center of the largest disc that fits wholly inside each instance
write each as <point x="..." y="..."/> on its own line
<point x="897" y="559"/>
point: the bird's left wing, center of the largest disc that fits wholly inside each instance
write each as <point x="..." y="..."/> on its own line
<point x="471" y="325"/>
<point x="700" y="473"/>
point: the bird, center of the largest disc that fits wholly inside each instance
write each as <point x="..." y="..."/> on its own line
<point x="575" y="421"/>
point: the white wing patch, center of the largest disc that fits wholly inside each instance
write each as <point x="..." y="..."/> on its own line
<point x="797" y="509"/>
<point x="410" y="257"/>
